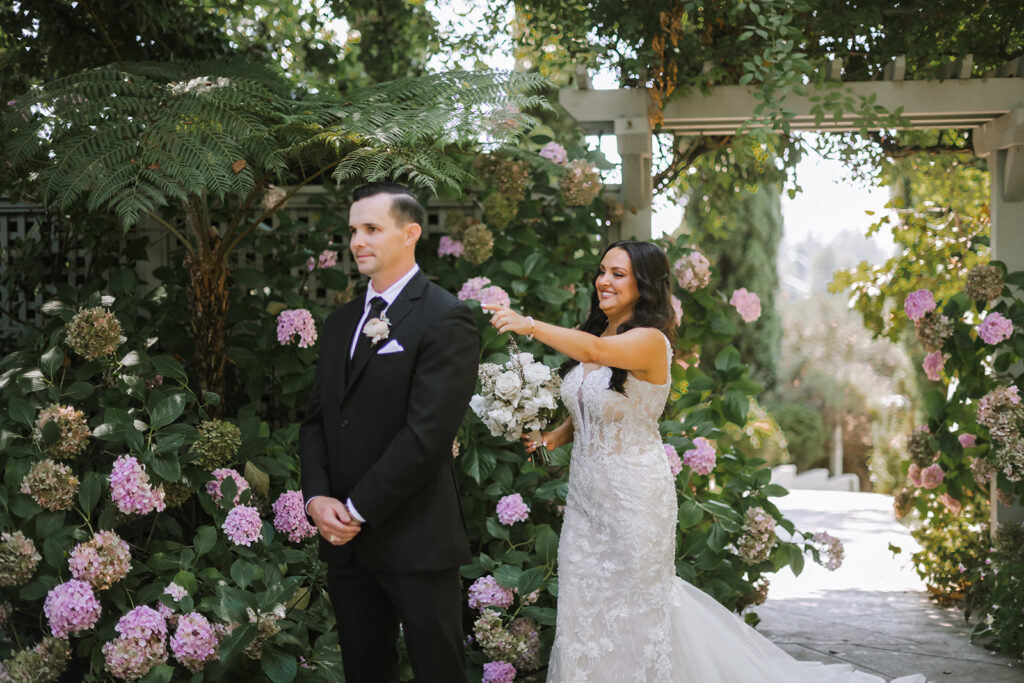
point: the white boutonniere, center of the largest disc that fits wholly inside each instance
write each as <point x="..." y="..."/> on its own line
<point x="377" y="329"/>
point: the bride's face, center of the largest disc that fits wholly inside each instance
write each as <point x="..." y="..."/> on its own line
<point x="617" y="290"/>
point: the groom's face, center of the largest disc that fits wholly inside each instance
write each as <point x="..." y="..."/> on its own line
<point x="381" y="245"/>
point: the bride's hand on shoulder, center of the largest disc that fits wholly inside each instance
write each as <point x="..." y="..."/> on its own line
<point x="504" y="319"/>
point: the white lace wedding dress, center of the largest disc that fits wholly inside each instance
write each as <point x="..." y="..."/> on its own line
<point x="623" y="614"/>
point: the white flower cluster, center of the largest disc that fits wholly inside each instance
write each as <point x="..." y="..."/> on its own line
<point x="516" y="397"/>
<point x="199" y="85"/>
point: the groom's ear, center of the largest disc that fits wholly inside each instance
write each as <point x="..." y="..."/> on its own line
<point x="412" y="233"/>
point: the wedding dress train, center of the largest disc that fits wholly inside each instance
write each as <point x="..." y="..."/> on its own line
<point x="623" y="614"/>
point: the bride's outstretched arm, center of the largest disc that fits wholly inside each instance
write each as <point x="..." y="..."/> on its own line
<point x="641" y="349"/>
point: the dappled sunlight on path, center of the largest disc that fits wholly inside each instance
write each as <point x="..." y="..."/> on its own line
<point x="873" y="612"/>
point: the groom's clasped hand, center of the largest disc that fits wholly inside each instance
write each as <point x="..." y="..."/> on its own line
<point x="333" y="520"/>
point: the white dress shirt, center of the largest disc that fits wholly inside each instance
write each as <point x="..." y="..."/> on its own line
<point x="389" y="295"/>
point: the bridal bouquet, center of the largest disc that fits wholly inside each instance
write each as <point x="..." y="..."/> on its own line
<point x="517" y="397"/>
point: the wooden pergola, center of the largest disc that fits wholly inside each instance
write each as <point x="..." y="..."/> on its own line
<point x="990" y="105"/>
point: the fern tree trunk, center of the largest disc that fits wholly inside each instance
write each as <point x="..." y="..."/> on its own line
<point x="208" y="300"/>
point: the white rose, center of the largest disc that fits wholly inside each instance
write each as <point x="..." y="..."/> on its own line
<point x="530" y="408"/>
<point x="499" y="416"/>
<point x="546" y="399"/>
<point x="525" y="358"/>
<point x="376" y="329"/>
<point x="507" y="386"/>
<point x="536" y="373"/>
<point x="478" y="404"/>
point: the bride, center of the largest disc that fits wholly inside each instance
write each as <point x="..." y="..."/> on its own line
<point x="623" y="615"/>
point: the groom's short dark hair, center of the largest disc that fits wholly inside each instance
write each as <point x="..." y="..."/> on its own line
<point x="405" y="207"/>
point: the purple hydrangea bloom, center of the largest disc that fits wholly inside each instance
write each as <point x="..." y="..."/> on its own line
<point x="918" y="303"/>
<point x="450" y="247"/>
<point x="995" y="328"/>
<point x="290" y="517"/>
<point x="141" y="645"/>
<point x="700" y="458"/>
<point x="71" y="607"/>
<point x="512" y="509"/>
<point x="487" y="592"/>
<point x="130" y="488"/>
<point x="243" y="525"/>
<point x="194" y="643"/>
<point x="933" y="364"/>
<point x="554" y="153"/>
<point x="220" y="474"/>
<point x="294" y="322"/>
<point x="498" y="672"/>
<point x="674" y="463"/>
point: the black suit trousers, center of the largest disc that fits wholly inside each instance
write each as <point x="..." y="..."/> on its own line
<point x="369" y="605"/>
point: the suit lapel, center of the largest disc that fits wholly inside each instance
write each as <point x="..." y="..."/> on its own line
<point x="395" y="313"/>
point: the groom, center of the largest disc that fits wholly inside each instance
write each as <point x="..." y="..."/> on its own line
<point x="395" y="373"/>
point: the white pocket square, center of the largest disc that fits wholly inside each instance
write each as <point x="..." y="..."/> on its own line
<point x="391" y="347"/>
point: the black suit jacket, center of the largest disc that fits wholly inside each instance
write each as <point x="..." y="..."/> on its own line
<point x="381" y="433"/>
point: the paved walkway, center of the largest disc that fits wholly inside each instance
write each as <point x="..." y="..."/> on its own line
<point x="873" y="612"/>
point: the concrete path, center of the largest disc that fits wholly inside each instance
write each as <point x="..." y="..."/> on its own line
<point x="873" y="612"/>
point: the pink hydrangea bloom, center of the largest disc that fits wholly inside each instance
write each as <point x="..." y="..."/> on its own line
<point x="130" y="488"/>
<point x="243" y="525"/>
<point x="213" y="486"/>
<point x="554" y="153"/>
<point x="914" y="474"/>
<point x="498" y="672"/>
<point x="747" y="304"/>
<point x="298" y="321"/>
<point x="487" y="592"/>
<point x="995" y="328"/>
<point x="290" y="517"/>
<point x="677" y="308"/>
<point x="194" y="643"/>
<point x="472" y="287"/>
<point x="700" y="458"/>
<point x="693" y="271"/>
<point x="449" y="247"/>
<point x="328" y="258"/>
<point x="512" y="509"/>
<point x="967" y="440"/>
<point x="71" y="607"/>
<point x="102" y="561"/>
<point x="675" y="465"/>
<point x="932" y="476"/>
<point x="175" y="591"/>
<point x="951" y="503"/>
<point x="494" y="295"/>
<point x="141" y="645"/>
<point x="933" y="364"/>
<point x="918" y="303"/>
<point x="833" y="549"/>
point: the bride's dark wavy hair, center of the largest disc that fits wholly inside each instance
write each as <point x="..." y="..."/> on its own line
<point x="652" y="309"/>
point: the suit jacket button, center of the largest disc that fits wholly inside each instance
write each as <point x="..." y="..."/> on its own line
<point x="344" y="423"/>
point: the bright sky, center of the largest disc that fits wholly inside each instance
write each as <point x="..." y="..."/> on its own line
<point x="830" y="202"/>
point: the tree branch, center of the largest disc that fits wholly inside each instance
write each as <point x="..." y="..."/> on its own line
<point x="174" y="231"/>
<point x="227" y="247"/>
<point x="103" y="30"/>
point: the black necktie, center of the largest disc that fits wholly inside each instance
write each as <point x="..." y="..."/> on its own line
<point x="363" y="345"/>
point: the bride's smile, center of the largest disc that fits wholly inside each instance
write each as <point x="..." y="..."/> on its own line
<point x="616" y="286"/>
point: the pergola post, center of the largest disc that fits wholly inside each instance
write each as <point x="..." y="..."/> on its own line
<point x="1002" y="142"/>
<point x="633" y="136"/>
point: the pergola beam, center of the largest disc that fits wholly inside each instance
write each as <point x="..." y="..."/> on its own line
<point x="953" y="103"/>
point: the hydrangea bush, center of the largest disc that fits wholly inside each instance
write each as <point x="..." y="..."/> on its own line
<point x="971" y="447"/>
<point x="221" y="579"/>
